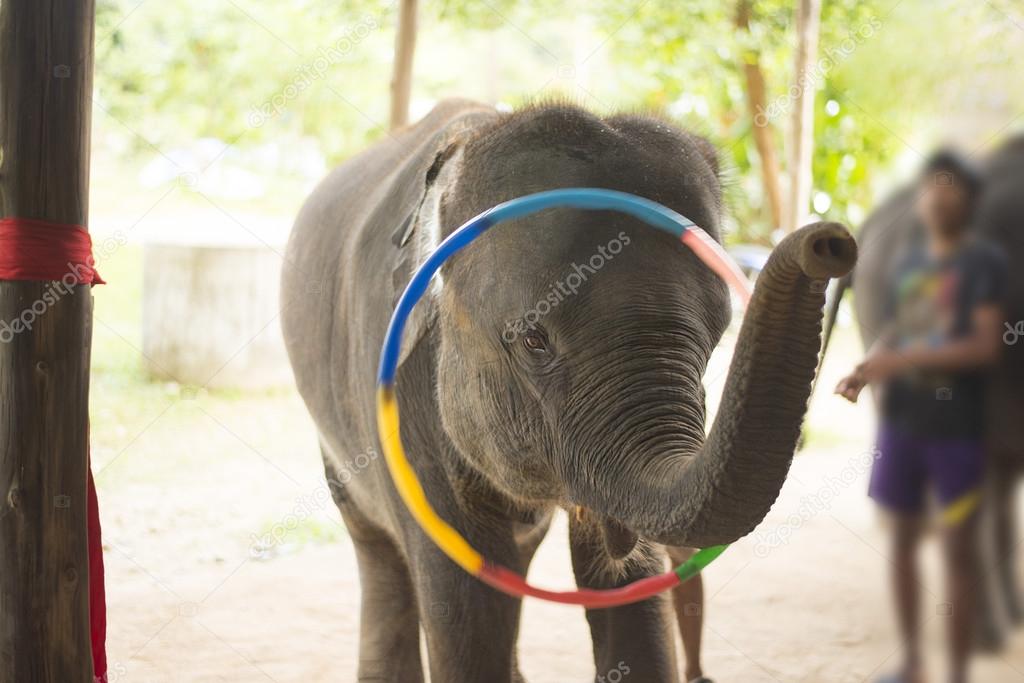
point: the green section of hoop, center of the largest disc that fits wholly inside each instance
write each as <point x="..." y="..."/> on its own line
<point x="702" y="558"/>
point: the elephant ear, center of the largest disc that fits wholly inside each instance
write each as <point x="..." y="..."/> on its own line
<point x="708" y="152"/>
<point x="417" y="237"/>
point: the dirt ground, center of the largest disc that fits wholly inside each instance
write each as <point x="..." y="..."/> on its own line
<point x="226" y="561"/>
<point x="811" y="609"/>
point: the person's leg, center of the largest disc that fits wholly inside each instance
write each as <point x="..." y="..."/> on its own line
<point x="957" y="468"/>
<point x="962" y="569"/>
<point x="906" y="592"/>
<point x="688" y="599"/>
<point x="897" y="484"/>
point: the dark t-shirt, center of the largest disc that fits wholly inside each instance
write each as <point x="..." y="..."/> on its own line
<point x="934" y="302"/>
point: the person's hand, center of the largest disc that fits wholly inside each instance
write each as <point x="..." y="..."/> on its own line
<point x="882" y="365"/>
<point x="850" y="386"/>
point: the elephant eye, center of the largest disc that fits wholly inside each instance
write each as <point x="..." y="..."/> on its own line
<point x="535" y="342"/>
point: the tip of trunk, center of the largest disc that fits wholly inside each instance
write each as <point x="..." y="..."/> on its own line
<point x="826" y="250"/>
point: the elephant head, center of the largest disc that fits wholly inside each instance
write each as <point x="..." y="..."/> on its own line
<point x="572" y="344"/>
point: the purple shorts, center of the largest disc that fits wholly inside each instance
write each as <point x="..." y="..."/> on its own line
<point x="907" y="465"/>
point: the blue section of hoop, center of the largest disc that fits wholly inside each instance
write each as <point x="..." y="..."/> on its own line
<point x="653" y="213"/>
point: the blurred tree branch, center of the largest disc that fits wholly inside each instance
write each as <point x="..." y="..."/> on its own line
<point x="405" y="51"/>
<point x="757" y="101"/>
<point x="801" y="138"/>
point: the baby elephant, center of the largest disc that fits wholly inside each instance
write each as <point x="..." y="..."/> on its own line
<point x="555" y="362"/>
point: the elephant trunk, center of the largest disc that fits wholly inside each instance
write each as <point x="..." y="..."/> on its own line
<point x="701" y="495"/>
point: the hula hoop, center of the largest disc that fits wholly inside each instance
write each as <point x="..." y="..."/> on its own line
<point x="404" y="477"/>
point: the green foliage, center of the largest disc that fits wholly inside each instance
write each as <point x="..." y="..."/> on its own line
<point x="171" y="72"/>
<point x="249" y="73"/>
<point x="693" y="59"/>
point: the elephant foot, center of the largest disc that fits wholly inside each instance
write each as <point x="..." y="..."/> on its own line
<point x="989" y="637"/>
<point x="1015" y="613"/>
<point x="1014" y="609"/>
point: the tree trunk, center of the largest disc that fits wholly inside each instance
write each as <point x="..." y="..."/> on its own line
<point x="802" y="133"/>
<point x="757" y="102"/>
<point x="405" y="50"/>
<point x="46" y="62"/>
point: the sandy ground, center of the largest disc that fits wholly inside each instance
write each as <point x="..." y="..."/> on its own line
<point x="802" y="599"/>
<point x="810" y="609"/>
<point x="190" y="480"/>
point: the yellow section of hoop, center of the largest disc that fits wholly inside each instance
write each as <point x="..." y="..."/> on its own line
<point x="447" y="539"/>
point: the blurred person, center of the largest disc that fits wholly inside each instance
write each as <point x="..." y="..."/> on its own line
<point x="929" y="365"/>
<point x="688" y="600"/>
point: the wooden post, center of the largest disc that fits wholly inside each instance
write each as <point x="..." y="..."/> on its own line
<point x="46" y="63"/>
<point x="405" y="50"/>
<point x="757" y="103"/>
<point x="808" y="19"/>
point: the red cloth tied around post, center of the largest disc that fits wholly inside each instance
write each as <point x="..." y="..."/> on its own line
<point x="38" y="250"/>
<point x="32" y="249"/>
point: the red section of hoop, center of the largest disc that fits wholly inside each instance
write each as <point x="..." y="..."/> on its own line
<point x="710" y="252"/>
<point x="509" y="582"/>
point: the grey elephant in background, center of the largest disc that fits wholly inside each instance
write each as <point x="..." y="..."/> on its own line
<point x="596" y="405"/>
<point x="887" y="238"/>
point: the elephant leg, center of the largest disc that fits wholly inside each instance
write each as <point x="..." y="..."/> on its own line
<point x="631" y="642"/>
<point x="688" y="600"/>
<point x="470" y="628"/>
<point x="1004" y="500"/>
<point x="998" y="591"/>
<point x="389" y="629"/>
<point x="989" y="605"/>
